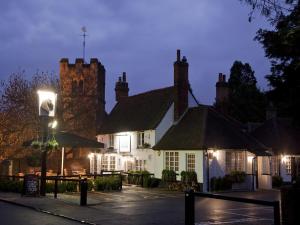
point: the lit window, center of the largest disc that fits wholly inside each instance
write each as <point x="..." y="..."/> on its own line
<point x="140" y="164"/>
<point x="140" y="139"/>
<point x="104" y="163"/>
<point x="172" y="161"/>
<point x="235" y="161"/>
<point x="288" y="165"/>
<point x="275" y="162"/>
<point x="190" y="162"/>
<point x="112" y="163"/>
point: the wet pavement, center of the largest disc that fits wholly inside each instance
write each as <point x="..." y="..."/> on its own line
<point x="138" y="206"/>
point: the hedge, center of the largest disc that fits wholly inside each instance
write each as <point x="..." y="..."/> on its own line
<point x="107" y="183"/>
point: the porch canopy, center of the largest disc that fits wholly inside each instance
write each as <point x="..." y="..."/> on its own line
<point x="204" y="128"/>
<point x="67" y="139"/>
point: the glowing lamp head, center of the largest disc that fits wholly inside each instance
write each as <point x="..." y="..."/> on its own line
<point x="47" y="103"/>
<point x="91" y="155"/>
<point x="284" y="158"/>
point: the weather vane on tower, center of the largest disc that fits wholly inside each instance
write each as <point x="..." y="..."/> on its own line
<point x="83" y="29"/>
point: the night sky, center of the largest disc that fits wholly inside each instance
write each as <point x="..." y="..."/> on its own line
<point x="136" y="36"/>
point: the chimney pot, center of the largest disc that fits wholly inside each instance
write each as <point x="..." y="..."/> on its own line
<point x="124" y="76"/>
<point x="224" y="78"/>
<point x="220" y="77"/>
<point x="184" y="59"/>
<point x="178" y="55"/>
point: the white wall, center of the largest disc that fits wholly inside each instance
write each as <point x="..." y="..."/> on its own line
<point x="264" y="175"/>
<point x="135" y="153"/>
<point x="160" y="163"/>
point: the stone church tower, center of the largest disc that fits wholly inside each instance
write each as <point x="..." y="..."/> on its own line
<point x="82" y="96"/>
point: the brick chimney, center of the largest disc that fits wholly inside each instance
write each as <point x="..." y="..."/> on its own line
<point x="222" y="94"/>
<point x="121" y="88"/>
<point x="181" y="86"/>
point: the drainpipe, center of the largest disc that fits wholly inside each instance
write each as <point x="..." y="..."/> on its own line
<point x="207" y="170"/>
<point x="253" y="173"/>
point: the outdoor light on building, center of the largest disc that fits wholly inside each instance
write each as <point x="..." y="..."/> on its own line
<point x="91" y="156"/>
<point x="284" y="158"/>
<point x="47" y="103"/>
<point x="250" y="158"/>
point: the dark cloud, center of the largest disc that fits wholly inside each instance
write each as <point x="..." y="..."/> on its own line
<point x="136" y="36"/>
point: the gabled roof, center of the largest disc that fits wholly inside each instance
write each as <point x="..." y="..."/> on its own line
<point x="138" y="112"/>
<point x="203" y="127"/>
<point x="280" y="135"/>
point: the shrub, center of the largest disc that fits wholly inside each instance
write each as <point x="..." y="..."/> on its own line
<point x="238" y="176"/>
<point x="7" y="185"/>
<point x="108" y="183"/>
<point x="168" y="176"/>
<point x="189" y="177"/>
<point x="135" y="177"/>
<point x="90" y="185"/>
<point x="221" y="183"/>
<point x="277" y="181"/>
<point x="62" y="186"/>
<point x="297" y="182"/>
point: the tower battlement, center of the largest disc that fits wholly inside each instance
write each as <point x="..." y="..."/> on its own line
<point x="83" y="93"/>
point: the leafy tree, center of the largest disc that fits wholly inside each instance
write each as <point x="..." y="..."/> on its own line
<point x="282" y="47"/>
<point x="246" y="101"/>
<point x="272" y="9"/>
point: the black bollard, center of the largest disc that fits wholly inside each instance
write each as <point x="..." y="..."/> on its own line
<point x="55" y="188"/>
<point x="83" y="192"/>
<point x="189" y="208"/>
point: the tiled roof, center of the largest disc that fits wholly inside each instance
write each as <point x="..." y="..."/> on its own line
<point x="138" y="112"/>
<point x="203" y="127"/>
<point x="280" y="135"/>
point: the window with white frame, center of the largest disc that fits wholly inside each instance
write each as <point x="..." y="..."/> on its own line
<point x="235" y="161"/>
<point x="104" y="163"/>
<point x="112" y="162"/>
<point x="140" y="139"/>
<point x="190" y="162"/>
<point x="172" y="161"/>
<point x="140" y="164"/>
<point x="111" y="140"/>
<point x="275" y="165"/>
<point x="288" y="165"/>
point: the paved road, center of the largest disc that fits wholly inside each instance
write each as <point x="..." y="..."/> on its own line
<point x="137" y="206"/>
<point x="17" y="215"/>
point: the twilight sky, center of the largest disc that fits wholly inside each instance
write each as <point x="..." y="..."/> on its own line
<point x="136" y="36"/>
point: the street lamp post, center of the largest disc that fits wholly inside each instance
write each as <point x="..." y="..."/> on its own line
<point x="47" y="105"/>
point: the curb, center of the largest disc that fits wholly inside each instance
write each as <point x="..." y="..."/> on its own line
<point x="47" y="212"/>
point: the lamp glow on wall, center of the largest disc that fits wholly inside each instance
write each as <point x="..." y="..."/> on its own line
<point x="284" y="158"/>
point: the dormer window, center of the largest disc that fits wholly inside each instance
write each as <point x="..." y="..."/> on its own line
<point x="140" y="139"/>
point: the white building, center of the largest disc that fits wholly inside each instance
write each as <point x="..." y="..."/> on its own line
<point x="167" y="129"/>
<point x="282" y="138"/>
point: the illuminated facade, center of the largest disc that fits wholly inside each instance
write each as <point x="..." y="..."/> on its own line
<point x="168" y="129"/>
